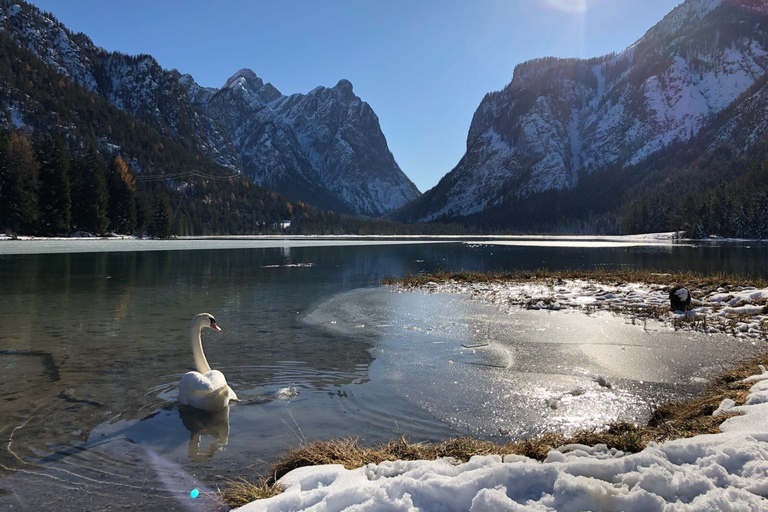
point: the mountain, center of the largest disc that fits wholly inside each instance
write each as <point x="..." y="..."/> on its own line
<point x="135" y="84"/>
<point x="324" y="147"/>
<point x="697" y="77"/>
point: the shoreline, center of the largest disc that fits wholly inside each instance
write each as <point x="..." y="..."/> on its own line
<point x="732" y="307"/>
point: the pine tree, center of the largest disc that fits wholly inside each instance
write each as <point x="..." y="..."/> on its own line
<point x="77" y="193"/>
<point x="55" y="200"/>
<point x="91" y="193"/>
<point x="19" y="184"/>
<point x="743" y="228"/>
<point x="6" y="180"/>
<point x="760" y="217"/>
<point x="161" y="217"/>
<point x="122" y="196"/>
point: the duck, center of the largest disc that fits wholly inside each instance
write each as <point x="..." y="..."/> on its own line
<point x="204" y="389"/>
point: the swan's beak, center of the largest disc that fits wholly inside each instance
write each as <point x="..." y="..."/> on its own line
<point x="214" y="326"/>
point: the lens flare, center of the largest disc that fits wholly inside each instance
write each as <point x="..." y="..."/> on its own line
<point x="567" y="5"/>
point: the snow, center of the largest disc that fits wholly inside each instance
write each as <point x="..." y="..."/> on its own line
<point x="740" y="311"/>
<point x="727" y="471"/>
<point x="685" y="14"/>
<point x="681" y="79"/>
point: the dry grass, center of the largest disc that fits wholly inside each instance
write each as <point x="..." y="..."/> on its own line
<point x="691" y="280"/>
<point x="241" y="492"/>
<point x="669" y="421"/>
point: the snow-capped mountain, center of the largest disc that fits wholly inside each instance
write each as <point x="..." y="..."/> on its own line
<point x="324" y="147"/>
<point x="700" y="72"/>
<point x="135" y="84"/>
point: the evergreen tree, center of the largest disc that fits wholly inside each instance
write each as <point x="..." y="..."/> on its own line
<point x="55" y="200"/>
<point x="761" y="216"/>
<point x="77" y="193"/>
<point x="743" y="225"/>
<point x="122" y="196"/>
<point x="6" y="180"/>
<point x="161" y="216"/>
<point x="19" y="185"/>
<point x="89" y="193"/>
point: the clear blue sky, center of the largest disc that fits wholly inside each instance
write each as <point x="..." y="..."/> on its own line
<point x="423" y="65"/>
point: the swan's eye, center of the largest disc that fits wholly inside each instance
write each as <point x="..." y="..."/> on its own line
<point x="213" y="321"/>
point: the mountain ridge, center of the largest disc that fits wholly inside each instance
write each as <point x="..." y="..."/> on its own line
<point x="175" y="106"/>
<point x="328" y="139"/>
<point x="559" y="120"/>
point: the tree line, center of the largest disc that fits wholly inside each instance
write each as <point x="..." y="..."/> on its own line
<point x="736" y="209"/>
<point x="46" y="190"/>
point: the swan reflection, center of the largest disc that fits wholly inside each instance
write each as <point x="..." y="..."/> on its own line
<point x="200" y="423"/>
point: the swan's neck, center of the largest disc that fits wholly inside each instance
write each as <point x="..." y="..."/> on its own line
<point x="201" y="363"/>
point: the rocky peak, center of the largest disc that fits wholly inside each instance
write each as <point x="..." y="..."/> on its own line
<point x="245" y="79"/>
<point x="685" y="14"/>
<point x="344" y="90"/>
<point x="252" y="88"/>
<point x="324" y="147"/>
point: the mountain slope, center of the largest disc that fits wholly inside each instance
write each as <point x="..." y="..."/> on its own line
<point x="325" y="147"/>
<point x="560" y="120"/>
<point x="135" y="84"/>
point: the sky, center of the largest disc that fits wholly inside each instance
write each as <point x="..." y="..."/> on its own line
<point x="422" y="65"/>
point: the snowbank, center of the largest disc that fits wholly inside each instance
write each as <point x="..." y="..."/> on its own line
<point x="739" y="311"/>
<point x="726" y="471"/>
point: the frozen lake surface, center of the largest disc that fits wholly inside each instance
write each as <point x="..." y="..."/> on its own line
<point x="95" y="343"/>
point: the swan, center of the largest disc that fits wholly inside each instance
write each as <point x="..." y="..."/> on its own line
<point x="204" y="389"/>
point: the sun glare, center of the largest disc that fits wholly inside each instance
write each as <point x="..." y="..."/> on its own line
<point x="567" y="5"/>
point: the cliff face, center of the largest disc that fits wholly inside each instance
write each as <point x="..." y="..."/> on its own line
<point x="698" y="73"/>
<point x="325" y="145"/>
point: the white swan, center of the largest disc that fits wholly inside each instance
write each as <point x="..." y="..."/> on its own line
<point x="204" y="389"/>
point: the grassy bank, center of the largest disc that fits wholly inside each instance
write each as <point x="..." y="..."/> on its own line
<point x="669" y="421"/>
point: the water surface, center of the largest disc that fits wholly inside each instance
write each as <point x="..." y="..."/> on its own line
<point x="94" y="343"/>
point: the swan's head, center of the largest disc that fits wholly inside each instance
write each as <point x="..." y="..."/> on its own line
<point x="205" y="320"/>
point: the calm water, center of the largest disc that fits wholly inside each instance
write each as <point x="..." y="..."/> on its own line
<point x="94" y="343"/>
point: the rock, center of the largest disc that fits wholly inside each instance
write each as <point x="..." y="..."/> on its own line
<point x="679" y="298"/>
<point x="601" y="381"/>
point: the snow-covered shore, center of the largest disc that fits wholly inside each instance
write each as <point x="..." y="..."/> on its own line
<point x="739" y="311"/>
<point x="726" y="471"/>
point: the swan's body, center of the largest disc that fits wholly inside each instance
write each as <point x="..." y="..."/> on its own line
<point x="204" y="389"/>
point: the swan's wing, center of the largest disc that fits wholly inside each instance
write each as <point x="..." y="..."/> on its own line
<point x="208" y="391"/>
<point x="194" y="384"/>
<point x="216" y="378"/>
<point x="219" y="381"/>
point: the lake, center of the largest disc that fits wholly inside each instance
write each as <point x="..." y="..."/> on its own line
<point x="96" y="336"/>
